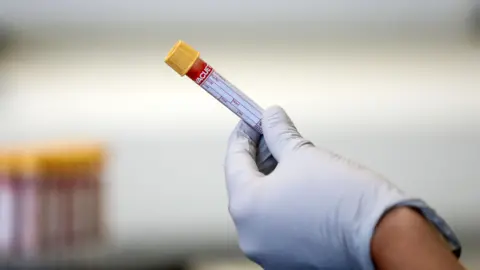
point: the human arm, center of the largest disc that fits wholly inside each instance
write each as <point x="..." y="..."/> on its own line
<point x="404" y="239"/>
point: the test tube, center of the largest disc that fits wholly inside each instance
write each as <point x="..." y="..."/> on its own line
<point x="7" y="207"/>
<point x="185" y="60"/>
<point x="25" y="174"/>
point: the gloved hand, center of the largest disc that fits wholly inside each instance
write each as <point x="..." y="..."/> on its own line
<point x="312" y="210"/>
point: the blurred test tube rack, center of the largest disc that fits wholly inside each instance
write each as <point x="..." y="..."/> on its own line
<point x="50" y="200"/>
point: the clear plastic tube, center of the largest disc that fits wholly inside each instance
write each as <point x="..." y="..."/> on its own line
<point x="186" y="61"/>
<point x="235" y="100"/>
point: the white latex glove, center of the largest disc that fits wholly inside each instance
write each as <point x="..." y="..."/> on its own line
<point x="315" y="210"/>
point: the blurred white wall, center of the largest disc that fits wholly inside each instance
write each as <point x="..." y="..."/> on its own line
<point x="412" y="115"/>
<point x="409" y="110"/>
<point x="25" y="12"/>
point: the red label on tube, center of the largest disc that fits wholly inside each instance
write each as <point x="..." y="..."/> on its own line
<point x="200" y="71"/>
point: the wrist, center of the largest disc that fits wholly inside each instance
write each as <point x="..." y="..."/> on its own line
<point x="404" y="239"/>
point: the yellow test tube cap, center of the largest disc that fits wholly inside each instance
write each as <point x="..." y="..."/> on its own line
<point x="24" y="162"/>
<point x="4" y="162"/>
<point x="181" y="57"/>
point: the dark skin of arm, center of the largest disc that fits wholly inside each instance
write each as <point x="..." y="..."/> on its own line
<point x="405" y="240"/>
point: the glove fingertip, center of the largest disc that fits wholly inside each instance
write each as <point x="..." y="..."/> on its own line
<point x="274" y="110"/>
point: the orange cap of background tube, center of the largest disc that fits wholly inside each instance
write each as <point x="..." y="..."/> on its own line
<point x="181" y="57"/>
<point x="70" y="156"/>
<point x="62" y="151"/>
<point x="23" y="162"/>
<point x="4" y="162"/>
<point x="58" y="156"/>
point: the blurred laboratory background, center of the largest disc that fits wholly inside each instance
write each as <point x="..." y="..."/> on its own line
<point x="87" y="103"/>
